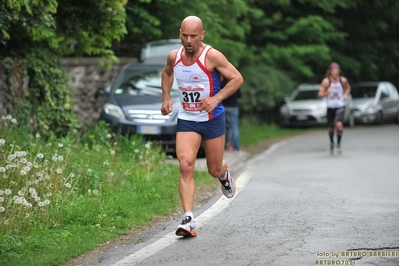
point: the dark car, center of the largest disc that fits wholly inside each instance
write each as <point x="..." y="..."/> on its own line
<point x="375" y="102"/>
<point x="134" y="105"/>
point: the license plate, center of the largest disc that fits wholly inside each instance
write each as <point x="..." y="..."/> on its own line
<point x="151" y="130"/>
<point x="301" y="117"/>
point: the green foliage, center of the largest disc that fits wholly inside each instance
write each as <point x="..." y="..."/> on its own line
<point x="263" y="89"/>
<point x="46" y="107"/>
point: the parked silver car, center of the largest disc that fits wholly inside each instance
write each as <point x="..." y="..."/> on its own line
<point x="305" y="108"/>
<point x="375" y="102"/>
<point x="134" y="105"/>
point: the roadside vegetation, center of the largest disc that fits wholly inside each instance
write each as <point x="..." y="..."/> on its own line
<point x="61" y="197"/>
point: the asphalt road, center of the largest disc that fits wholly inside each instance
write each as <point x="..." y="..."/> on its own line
<point x="295" y="205"/>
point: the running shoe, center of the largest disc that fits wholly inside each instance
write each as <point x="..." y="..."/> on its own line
<point x="187" y="227"/>
<point x="339" y="149"/>
<point x="228" y="186"/>
<point x="332" y="149"/>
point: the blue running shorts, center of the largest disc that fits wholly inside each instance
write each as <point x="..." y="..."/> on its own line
<point x="208" y="130"/>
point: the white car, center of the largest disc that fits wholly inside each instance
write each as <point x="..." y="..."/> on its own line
<point x="305" y="108"/>
<point x="375" y="102"/>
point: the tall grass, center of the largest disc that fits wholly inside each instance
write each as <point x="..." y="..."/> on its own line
<point x="62" y="197"/>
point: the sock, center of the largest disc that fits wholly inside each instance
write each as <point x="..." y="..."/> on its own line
<point x="339" y="136"/>
<point x="331" y="134"/>
<point x="189" y="214"/>
<point x="224" y="176"/>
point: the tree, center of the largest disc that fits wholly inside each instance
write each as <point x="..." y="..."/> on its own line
<point x="35" y="35"/>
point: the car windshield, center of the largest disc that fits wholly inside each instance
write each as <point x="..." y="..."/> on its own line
<point x="364" y="91"/>
<point x="142" y="83"/>
<point x="301" y="95"/>
<point x="161" y="48"/>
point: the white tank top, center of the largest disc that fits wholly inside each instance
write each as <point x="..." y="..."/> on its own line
<point x="195" y="81"/>
<point x="335" y="99"/>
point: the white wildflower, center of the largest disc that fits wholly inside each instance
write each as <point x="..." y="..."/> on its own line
<point x="14" y="121"/>
<point x="2" y="142"/>
<point x="37" y="135"/>
<point x="109" y="136"/>
<point x="23" y="172"/>
<point x="6" y="222"/>
<point x="2" y="209"/>
<point x="8" y="117"/>
<point x="37" y="182"/>
<point x="54" y="158"/>
<point x="47" y="177"/>
<point x="59" y="171"/>
<point x="89" y="170"/>
<point x="18" y="200"/>
<point x="32" y="190"/>
<point x="20" y="193"/>
<point x="1" y="199"/>
<point x="24" y="161"/>
<point x="136" y="150"/>
<point x="105" y="163"/>
<point x="28" y="205"/>
<point x="7" y="191"/>
<point x="5" y="176"/>
<point x="46" y="202"/>
<point x="40" y="155"/>
<point x="1" y="192"/>
<point x="2" y="169"/>
<point x="68" y="185"/>
<point x="27" y="215"/>
<point x="112" y="152"/>
<point x="147" y="145"/>
<point x="29" y="164"/>
<point x="60" y="145"/>
<point x="71" y="175"/>
<point x="60" y="158"/>
<point x="37" y="199"/>
<point x="49" y="194"/>
<point x="41" y="204"/>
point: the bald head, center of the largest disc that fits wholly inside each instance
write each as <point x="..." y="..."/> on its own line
<point x="192" y="34"/>
<point x="192" y="22"/>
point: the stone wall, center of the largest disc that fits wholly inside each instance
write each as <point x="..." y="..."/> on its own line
<point x="86" y="78"/>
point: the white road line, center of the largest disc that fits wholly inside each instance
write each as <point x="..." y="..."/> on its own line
<point x="200" y="220"/>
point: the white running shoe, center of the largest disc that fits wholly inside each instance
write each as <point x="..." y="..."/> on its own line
<point x="186" y="228"/>
<point x="228" y="185"/>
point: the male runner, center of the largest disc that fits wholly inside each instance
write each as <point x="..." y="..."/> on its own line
<point x="197" y="68"/>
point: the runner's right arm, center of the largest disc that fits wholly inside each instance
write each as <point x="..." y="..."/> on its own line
<point x="167" y="82"/>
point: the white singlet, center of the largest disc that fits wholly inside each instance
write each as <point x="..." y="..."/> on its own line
<point x="194" y="82"/>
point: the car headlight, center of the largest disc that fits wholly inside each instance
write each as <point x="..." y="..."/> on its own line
<point x="371" y="109"/>
<point x="114" y="110"/>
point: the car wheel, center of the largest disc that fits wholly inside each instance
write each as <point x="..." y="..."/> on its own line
<point x="379" y="118"/>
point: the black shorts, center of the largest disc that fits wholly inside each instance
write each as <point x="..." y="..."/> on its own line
<point x="208" y="130"/>
<point x="334" y="115"/>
